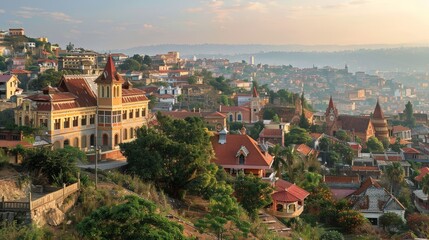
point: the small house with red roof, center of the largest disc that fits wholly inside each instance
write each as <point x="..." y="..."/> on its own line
<point x="342" y="186"/>
<point x="272" y="136"/>
<point x="239" y="152"/>
<point x="248" y="113"/>
<point x="372" y="201"/>
<point x="401" y="132"/>
<point x="288" y="199"/>
<point x="11" y="139"/>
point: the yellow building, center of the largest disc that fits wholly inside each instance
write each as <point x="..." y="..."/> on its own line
<point x="68" y="113"/>
<point x="8" y="86"/>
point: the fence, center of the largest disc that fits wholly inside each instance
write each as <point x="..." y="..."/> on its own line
<point x="60" y="194"/>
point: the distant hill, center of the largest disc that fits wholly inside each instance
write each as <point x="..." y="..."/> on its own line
<point x="357" y="57"/>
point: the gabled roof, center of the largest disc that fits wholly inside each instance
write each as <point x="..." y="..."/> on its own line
<point x="410" y="150"/>
<point x="354" y="123"/>
<point x="288" y="192"/>
<point x="369" y="182"/>
<point x="423" y="172"/>
<point x="110" y="75"/>
<point x="225" y="154"/>
<point x="304" y="149"/>
<point x="5" y="78"/>
<point x="341" y="179"/>
<point x="399" y="128"/>
<point x="271" y="133"/>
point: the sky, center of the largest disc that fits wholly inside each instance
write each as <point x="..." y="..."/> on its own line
<point x="121" y="24"/>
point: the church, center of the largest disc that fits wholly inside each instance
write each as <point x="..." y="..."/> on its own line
<point x="362" y="127"/>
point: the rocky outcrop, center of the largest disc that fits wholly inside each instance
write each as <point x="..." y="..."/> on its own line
<point x="54" y="216"/>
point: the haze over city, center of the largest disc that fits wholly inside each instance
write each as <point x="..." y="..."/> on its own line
<point x="120" y="25"/>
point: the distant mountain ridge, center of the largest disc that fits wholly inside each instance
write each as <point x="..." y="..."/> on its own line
<point x="357" y="57"/>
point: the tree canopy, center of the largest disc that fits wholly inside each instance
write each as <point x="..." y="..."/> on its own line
<point x="410" y="120"/>
<point x="175" y="155"/>
<point x="134" y="219"/>
<point x="297" y="135"/>
<point x="374" y="145"/>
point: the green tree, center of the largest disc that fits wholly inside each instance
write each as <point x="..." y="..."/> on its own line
<point x="425" y="184"/>
<point x="137" y="218"/>
<point x="276" y="119"/>
<point x="256" y="129"/>
<point x="224" y="100"/>
<point x="344" y="151"/>
<point x="3" y="64"/>
<point x="49" y="77"/>
<point x="297" y="135"/>
<point x="138" y="58"/>
<point x="332" y="235"/>
<point x="175" y="155"/>
<point x="374" y="145"/>
<point x="147" y="60"/>
<point x="419" y="224"/>
<point x="268" y="113"/>
<point x="410" y="120"/>
<point x="225" y="215"/>
<point x="130" y="65"/>
<point x="391" y="222"/>
<point x="342" y="135"/>
<point x="349" y="220"/>
<point x="252" y="193"/>
<point x="192" y="79"/>
<point x="303" y="122"/>
<point x="58" y="166"/>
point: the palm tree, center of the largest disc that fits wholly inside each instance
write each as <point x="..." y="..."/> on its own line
<point x="395" y="174"/>
<point x="279" y="162"/>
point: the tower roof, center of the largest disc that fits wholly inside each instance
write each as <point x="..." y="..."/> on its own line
<point x="378" y="113"/>
<point x="255" y="92"/>
<point x="110" y="75"/>
<point x="331" y="103"/>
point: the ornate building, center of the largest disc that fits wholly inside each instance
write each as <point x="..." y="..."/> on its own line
<point x="362" y="127"/>
<point x="68" y="113"/>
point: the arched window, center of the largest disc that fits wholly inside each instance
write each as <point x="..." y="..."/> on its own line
<point x="125" y="134"/>
<point x="241" y="159"/>
<point x="27" y="121"/>
<point x="107" y="91"/>
<point x="66" y="142"/>
<point x="114" y="91"/>
<point x="231" y="118"/>
<point x="117" y="91"/>
<point x="92" y="140"/>
<point x="102" y="91"/>
<point x="131" y="132"/>
<point x="105" y="139"/>
<point x="116" y="139"/>
<point x="239" y="117"/>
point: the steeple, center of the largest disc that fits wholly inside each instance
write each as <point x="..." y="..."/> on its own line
<point x="331" y="103"/>
<point x="255" y="93"/>
<point x="331" y="110"/>
<point x="110" y="75"/>
<point x="378" y="113"/>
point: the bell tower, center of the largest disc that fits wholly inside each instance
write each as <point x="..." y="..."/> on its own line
<point x="109" y="106"/>
<point x="255" y="106"/>
<point x="331" y="115"/>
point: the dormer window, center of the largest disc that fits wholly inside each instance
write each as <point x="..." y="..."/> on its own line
<point x="241" y="155"/>
<point x="241" y="159"/>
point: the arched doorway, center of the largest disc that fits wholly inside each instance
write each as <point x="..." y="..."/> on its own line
<point x="105" y="139"/>
<point x="66" y="142"/>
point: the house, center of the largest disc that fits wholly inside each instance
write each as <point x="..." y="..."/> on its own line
<point x="16" y="32"/>
<point x="365" y="172"/>
<point x="241" y="84"/>
<point x="9" y="140"/>
<point x="85" y="111"/>
<point x="305" y="151"/>
<point x="9" y="86"/>
<point x="404" y="133"/>
<point x="248" y="113"/>
<point x="421" y="201"/>
<point x="423" y="172"/>
<point x="19" y="63"/>
<point x="420" y="133"/>
<point x="46" y="64"/>
<point x="288" y="199"/>
<point x="412" y="153"/>
<point x="342" y="186"/>
<point x="372" y="201"/>
<point x="272" y="136"/>
<point x="239" y="152"/>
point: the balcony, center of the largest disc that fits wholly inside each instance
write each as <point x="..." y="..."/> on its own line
<point x="286" y="213"/>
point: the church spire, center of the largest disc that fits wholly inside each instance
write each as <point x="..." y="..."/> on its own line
<point x="331" y="103"/>
<point x="378" y="113"/>
<point x="255" y="92"/>
<point x="110" y="75"/>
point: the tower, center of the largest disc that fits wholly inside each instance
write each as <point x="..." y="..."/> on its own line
<point x="380" y="123"/>
<point x="109" y="106"/>
<point x="331" y="115"/>
<point x="255" y="107"/>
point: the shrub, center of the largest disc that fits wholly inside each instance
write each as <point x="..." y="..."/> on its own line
<point x="332" y="235"/>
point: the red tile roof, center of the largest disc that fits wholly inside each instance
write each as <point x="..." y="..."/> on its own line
<point x="315" y="135"/>
<point x="399" y="128"/>
<point x="304" y="149"/>
<point x="271" y="133"/>
<point x="356" y="123"/>
<point x="410" y="150"/>
<point x="423" y="172"/>
<point x="341" y="179"/>
<point x="12" y="144"/>
<point x="378" y="113"/>
<point x="288" y="192"/>
<point x="110" y="75"/>
<point x="225" y="154"/>
<point x="19" y="71"/>
<point x="365" y="185"/>
<point x="339" y="194"/>
<point x="5" y="78"/>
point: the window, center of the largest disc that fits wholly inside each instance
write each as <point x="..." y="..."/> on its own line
<point x="92" y="140"/>
<point x="92" y="119"/>
<point x="16" y="137"/>
<point x="66" y="122"/>
<point x="131" y="132"/>
<point x="102" y="91"/>
<point x="43" y="122"/>
<point x="116" y="139"/>
<point x="230" y="118"/>
<point x="66" y="142"/>
<point x="124" y="114"/>
<point x="239" y="117"/>
<point x="107" y="91"/>
<point x="131" y="114"/>
<point x="75" y="121"/>
<point x="114" y="91"/>
<point x="116" y="117"/>
<point x="125" y="134"/>
<point x="137" y="113"/>
<point x="3" y="137"/>
<point x="83" y="120"/>
<point x="143" y="112"/>
<point x="117" y="91"/>
<point x="241" y="159"/>
<point x="83" y="142"/>
<point x="57" y="124"/>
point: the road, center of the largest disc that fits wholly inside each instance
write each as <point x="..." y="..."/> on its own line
<point x="104" y="165"/>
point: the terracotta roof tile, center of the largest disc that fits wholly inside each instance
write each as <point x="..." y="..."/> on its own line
<point x="365" y="185"/>
<point x="399" y="128"/>
<point x="271" y="133"/>
<point x="12" y="144"/>
<point x="365" y="168"/>
<point x="356" y="123"/>
<point x="423" y="172"/>
<point x="341" y="179"/>
<point x="288" y="192"/>
<point x="225" y="154"/>
<point x="410" y="150"/>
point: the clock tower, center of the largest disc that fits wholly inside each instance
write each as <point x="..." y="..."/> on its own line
<point x="331" y="115"/>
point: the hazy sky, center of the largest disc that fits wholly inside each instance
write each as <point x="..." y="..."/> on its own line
<point x="106" y="24"/>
